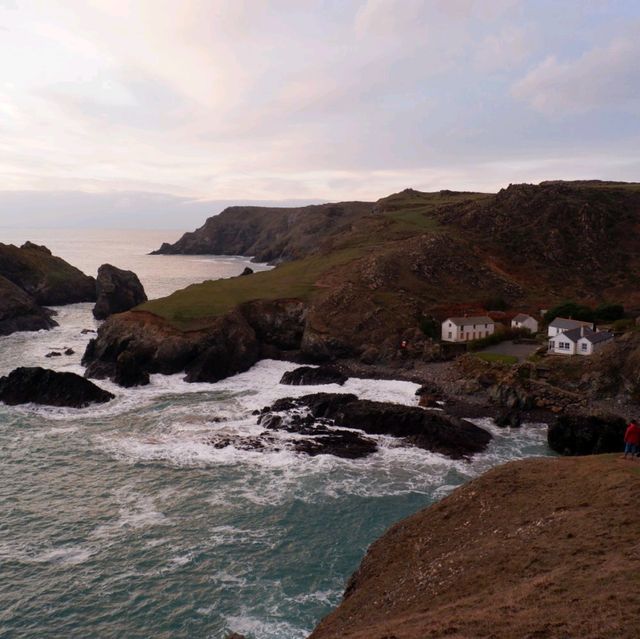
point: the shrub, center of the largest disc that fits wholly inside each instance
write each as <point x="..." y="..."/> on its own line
<point x="572" y="310"/>
<point x="430" y="327"/>
<point x="609" y="312"/>
<point x="622" y="325"/>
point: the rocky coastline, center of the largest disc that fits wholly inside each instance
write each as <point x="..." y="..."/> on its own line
<point x="31" y="278"/>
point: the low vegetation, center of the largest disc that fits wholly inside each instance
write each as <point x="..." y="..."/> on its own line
<point x="187" y="307"/>
<point x="496" y="358"/>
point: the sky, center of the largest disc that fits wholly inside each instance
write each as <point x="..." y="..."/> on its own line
<point x="160" y="112"/>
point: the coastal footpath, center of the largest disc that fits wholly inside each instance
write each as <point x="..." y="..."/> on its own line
<point x="535" y="548"/>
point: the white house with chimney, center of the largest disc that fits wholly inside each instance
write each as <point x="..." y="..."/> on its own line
<point x="466" y="329"/>
<point x="522" y="320"/>
<point x="562" y="325"/>
<point x="581" y="340"/>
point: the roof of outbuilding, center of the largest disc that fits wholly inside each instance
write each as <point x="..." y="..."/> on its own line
<point x="465" y="321"/>
<point x="522" y="317"/>
<point x="563" y="322"/>
<point x="597" y="337"/>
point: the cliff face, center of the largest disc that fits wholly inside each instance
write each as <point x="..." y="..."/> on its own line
<point x="18" y="311"/>
<point x="228" y="345"/>
<point x="537" y="548"/>
<point x="48" y="279"/>
<point x="557" y="235"/>
<point x="269" y="234"/>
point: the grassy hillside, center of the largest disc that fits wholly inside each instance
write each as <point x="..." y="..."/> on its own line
<point x="416" y="254"/>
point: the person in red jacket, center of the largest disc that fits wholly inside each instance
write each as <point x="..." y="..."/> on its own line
<point x="631" y="439"/>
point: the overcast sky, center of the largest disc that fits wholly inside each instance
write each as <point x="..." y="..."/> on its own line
<point x="158" y="112"/>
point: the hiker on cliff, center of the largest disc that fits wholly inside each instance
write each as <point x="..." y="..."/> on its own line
<point x="631" y="439"/>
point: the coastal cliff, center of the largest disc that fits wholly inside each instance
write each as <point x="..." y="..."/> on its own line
<point x="370" y="276"/>
<point x="31" y="277"/>
<point x="536" y="548"/>
<point x="48" y="279"/>
<point x="269" y="234"/>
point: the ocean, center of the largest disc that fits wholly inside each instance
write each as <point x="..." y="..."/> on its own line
<point x="123" y="521"/>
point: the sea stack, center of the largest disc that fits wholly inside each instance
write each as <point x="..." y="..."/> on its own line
<point x="117" y="291"/>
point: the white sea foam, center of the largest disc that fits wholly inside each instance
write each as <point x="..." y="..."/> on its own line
<point x="67" y="555"/>
<point x="265" y="629"/>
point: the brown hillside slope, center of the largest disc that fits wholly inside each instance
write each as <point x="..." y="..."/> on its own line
<point x="544" y="548"/>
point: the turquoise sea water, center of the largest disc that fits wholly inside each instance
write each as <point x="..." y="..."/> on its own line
<point x="123" y="521"/>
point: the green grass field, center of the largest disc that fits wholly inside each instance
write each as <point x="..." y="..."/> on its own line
<point x="187" y="307"/>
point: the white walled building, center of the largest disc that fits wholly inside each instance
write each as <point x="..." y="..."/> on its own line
<point x="579" y="341"/>
<point x="562" y="325"/>
<point x="525" y="321"/>
<point x="465" y="329"/>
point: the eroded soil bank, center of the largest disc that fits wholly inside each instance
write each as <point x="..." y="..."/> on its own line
<point x="536" y="548"/>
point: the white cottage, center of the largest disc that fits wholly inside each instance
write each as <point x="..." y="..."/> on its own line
<point x="562" y="325"/>
<point x="579" y="341"/>
<point x="465" y="329"/>
<point x="522" y="320"/>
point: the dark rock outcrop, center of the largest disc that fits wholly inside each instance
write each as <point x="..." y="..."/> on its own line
<point x="116" y="291"/>
<point x="19" y="311"/>
<point x="587" y="434"/>
<point x="42" y="386"/>
<point x="312" y="376"/>
<point x="509" y="418"/>
<point x="247" y="271"/>
<point x="431" y="430"/>
<point x="48" y="279"/>
<point x="128" y="372"/>
<point x="269" y="234"/>
<point x="229" y="344"/>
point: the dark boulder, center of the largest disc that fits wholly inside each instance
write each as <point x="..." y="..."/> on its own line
<point x="53" y="354"/>
<point x="310" y="376"/>
<point x="129" y="372"/>
<point x="321" y="437"/>
<point x="431" y="430"/>
<point x="587" y="434"/>
<point x="117" y="291"/>
<point x="247" y="271"/>
<point x="43" y="386"/>
<point x="508" y="417"/>
<point x="337" y="442"/>
<point x="20" y="312"/>
<point x="69" y="351"/>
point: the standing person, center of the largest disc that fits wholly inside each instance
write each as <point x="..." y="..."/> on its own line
<point x="631" y="439"/>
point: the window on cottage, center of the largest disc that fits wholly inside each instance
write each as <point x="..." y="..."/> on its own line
<point x="583" y="346"/>
<point x="449" y="334"/>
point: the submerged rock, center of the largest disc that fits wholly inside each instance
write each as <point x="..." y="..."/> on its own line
<point x="587" y="434"/>
<point x="311" y="376"/>
<point x="117" y="291"/>
<point x="43" y="386"/>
